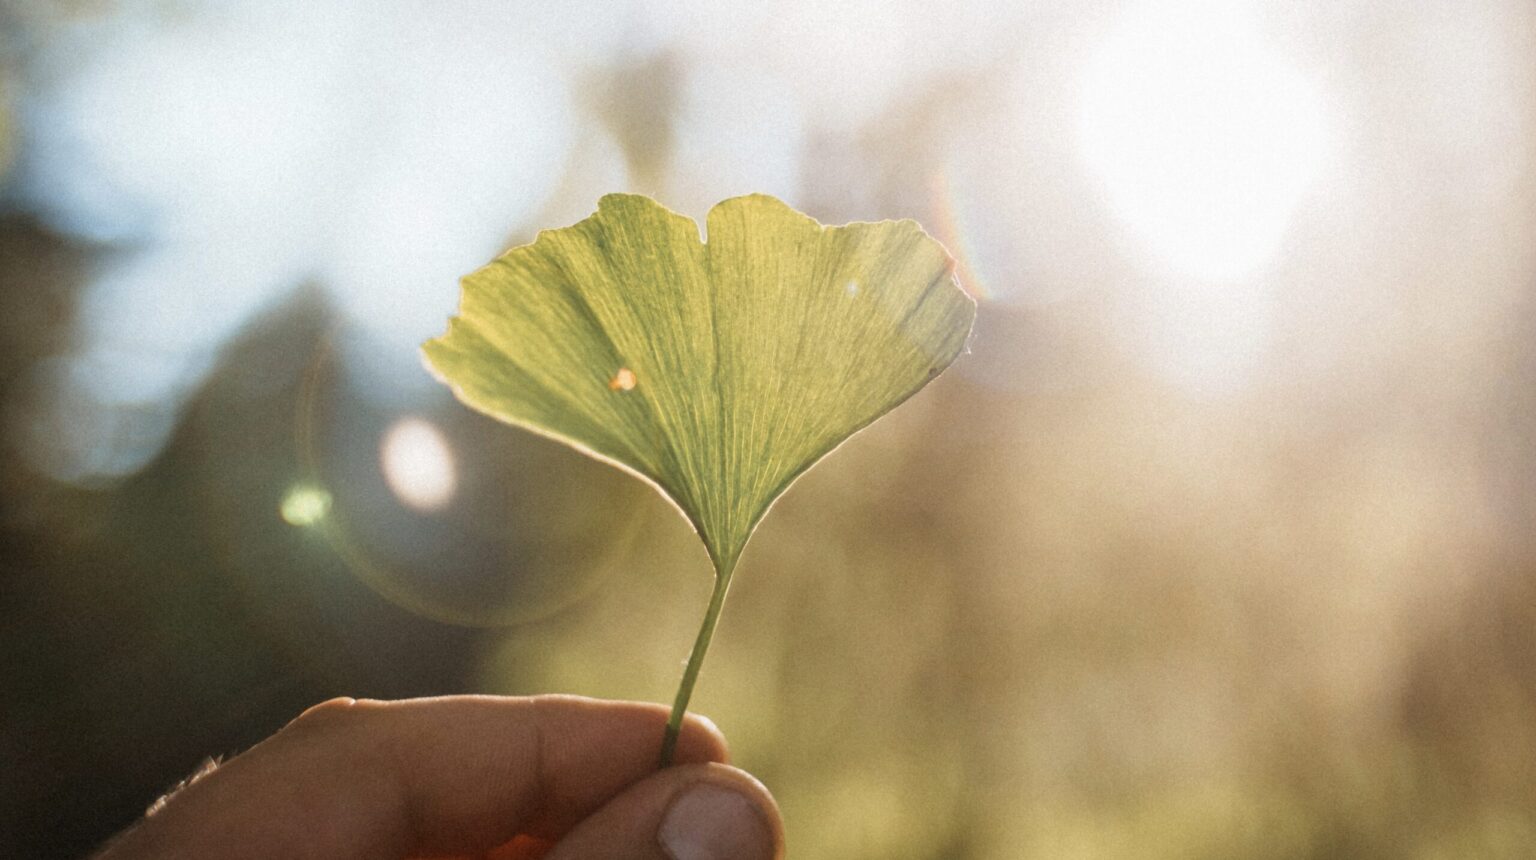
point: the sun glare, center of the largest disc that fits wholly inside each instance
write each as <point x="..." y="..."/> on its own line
<point x="1204" y="136"/>
<point x="418" y="464"/>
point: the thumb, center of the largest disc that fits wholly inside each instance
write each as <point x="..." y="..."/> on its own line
<point x="691" y="812"/>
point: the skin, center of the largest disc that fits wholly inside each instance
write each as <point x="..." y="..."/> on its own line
<point x="551" y="777"/>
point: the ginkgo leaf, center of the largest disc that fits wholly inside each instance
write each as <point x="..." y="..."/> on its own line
<point x="718" y="370"/>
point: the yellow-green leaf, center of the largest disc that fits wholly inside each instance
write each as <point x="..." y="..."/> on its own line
<point x="717" y="371"/>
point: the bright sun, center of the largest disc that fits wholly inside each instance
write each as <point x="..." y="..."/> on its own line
<point x="1204" y="137"/>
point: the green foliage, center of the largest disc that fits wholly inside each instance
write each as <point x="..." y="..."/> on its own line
<point x="717" y="371"/>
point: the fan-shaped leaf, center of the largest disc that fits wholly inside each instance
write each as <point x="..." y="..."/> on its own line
<point x="718" y="371"/>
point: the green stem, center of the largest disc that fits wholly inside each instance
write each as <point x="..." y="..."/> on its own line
<point x="695" y="661"/>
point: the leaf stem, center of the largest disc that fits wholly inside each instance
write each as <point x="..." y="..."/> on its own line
<point x="695" y="661"/>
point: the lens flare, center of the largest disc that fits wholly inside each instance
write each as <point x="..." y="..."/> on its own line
<point x="305" y="505"/>
<point x="418" y="465"/>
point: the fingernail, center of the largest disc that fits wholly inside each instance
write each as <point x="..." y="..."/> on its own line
<point x="708" y="822"/>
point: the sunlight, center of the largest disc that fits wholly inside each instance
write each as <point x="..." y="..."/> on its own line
<point x="1204" y="137"/>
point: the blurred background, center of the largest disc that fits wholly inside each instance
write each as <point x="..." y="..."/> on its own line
<point x="1218" y="543"/>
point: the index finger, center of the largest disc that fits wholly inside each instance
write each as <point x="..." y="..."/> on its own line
<point x="457" y="774"/>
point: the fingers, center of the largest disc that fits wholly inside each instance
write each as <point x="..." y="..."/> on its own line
<point x="451" y="775"/>
<point x="480" y="769"/>
<point x="697" y="812"/>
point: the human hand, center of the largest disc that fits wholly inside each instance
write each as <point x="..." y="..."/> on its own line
<point x="551" y="777"/>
